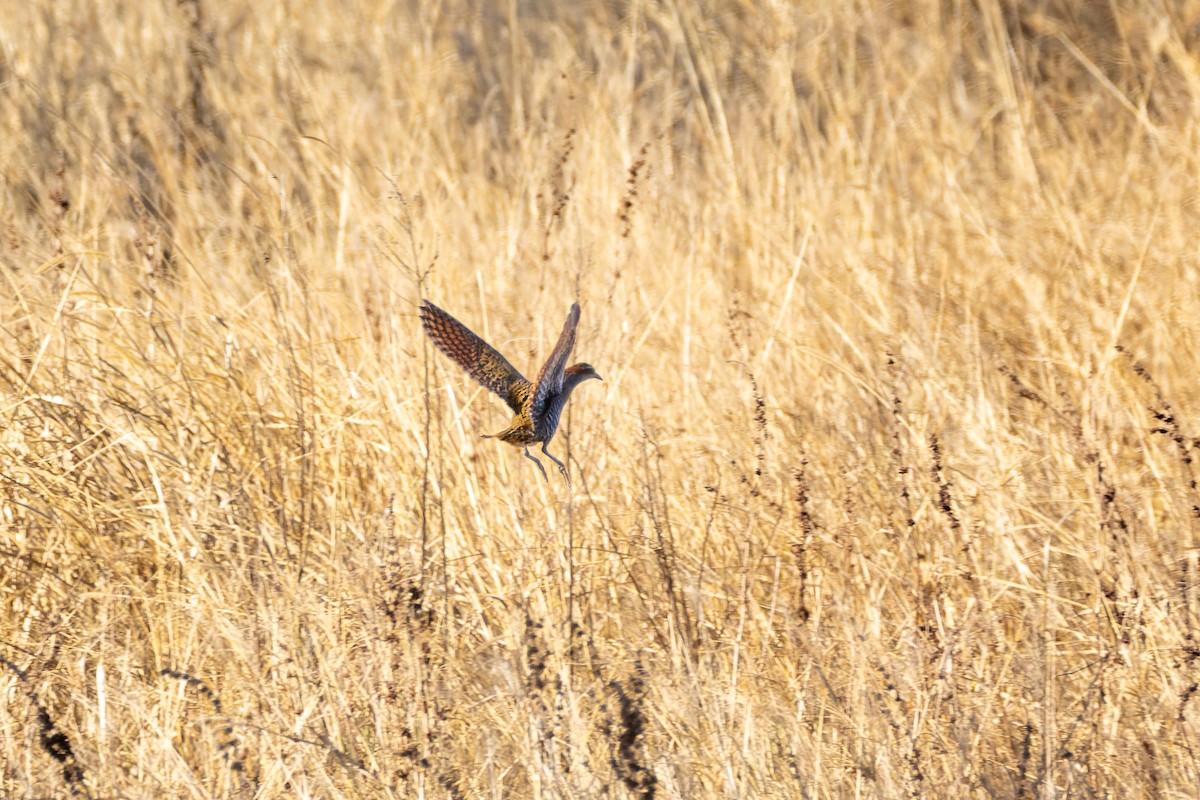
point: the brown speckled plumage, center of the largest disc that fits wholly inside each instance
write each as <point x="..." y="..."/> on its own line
<point x="538" y="406"/>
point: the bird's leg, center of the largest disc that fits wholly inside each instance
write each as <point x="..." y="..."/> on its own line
<point x="539" y="464"/>
<point x="561" y="467"/>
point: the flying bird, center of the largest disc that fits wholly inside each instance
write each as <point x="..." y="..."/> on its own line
<point x="537" y="406"/>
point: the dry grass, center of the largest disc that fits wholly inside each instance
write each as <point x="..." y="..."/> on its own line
<point x="890" y="490"/>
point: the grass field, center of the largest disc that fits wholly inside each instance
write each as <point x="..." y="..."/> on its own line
<point x="889" y="492"/>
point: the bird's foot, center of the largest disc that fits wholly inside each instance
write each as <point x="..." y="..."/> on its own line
<point x="561" y="466"/>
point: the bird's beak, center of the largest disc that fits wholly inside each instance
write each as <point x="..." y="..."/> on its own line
<point x="600" y="379"/>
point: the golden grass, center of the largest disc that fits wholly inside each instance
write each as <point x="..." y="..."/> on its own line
<point x="889" y="492"/>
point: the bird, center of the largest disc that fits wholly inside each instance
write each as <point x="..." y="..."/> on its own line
<point x="537" y="406"/>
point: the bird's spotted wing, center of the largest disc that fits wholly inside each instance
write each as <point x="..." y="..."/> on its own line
<point x="550" y="380"/>
<point x="477" y="357"/>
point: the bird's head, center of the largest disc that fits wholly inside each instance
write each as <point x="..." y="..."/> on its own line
<point x="584" y="371"/>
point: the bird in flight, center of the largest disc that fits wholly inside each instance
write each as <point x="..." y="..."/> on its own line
<point x="537" y="406"/>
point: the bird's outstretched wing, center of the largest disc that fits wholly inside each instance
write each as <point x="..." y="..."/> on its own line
<point x="550" y="379"/>
<point x="480" y="360"/>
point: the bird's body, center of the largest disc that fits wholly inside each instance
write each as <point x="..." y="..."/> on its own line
<point x="537" y="406"/>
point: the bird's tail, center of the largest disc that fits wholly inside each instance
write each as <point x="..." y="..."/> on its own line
<point x="512" y="435"/>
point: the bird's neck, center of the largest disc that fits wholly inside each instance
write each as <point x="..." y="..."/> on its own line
<point x="570" y="381"/>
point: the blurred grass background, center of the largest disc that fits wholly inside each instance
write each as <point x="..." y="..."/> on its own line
<point x="889" y="492"/>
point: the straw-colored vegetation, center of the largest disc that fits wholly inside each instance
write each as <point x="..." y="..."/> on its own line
<point x="889" y="490"/>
